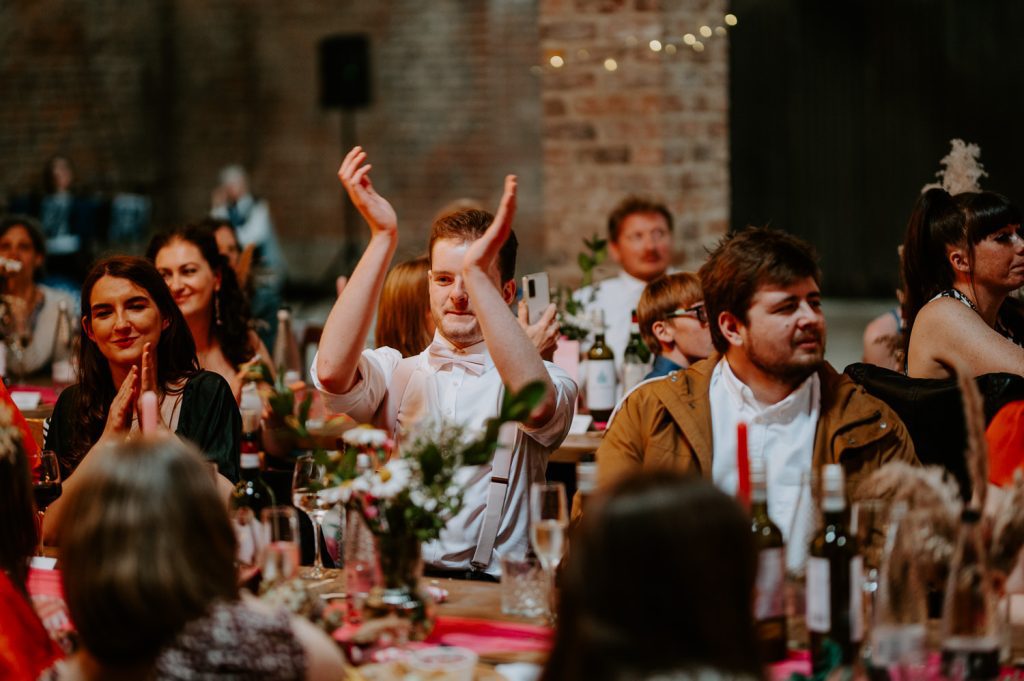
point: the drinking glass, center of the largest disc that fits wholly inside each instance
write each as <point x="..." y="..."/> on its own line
<point x="549" y="518"/>
<point x="280" y="558"/>
<point x="802" y="526"/>
<point x="900" y="616"/>
<point x="46" y="485"/>
<point x="869" y="523"/>
<point x="307" y="482"/>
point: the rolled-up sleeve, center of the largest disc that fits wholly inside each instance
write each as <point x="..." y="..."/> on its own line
<point x="551" y="433"/>
<point x="374" y="370"/>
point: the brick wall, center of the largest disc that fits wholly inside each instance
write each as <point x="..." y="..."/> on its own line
<point x="161" y="95"/>
<point x="164" y="94"/>
<point x="656" y="125"/>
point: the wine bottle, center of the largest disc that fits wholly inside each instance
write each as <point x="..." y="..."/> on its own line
<point x="600" y="375"/>
<point x="769" y="601"/>
<point x="286" y="350"/>
<point x="970" y="630"/>
<point x="248" y="499"/>
<point x="834" y="572"/>
<point x="634" y="358"/>
<point x="62" y="368"/>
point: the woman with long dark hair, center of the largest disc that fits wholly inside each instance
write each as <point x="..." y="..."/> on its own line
<point x="962" y="257"/>
<point x="206" y="290"/>
<point x="659" y="583"/>
<point x="134" y="340"/>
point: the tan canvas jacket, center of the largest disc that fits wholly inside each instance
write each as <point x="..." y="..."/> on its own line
<point x="667" y="424"/>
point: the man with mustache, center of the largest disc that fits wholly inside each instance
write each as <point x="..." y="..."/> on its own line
<point x="478" y="349"/>
<point x="761" y="291"/>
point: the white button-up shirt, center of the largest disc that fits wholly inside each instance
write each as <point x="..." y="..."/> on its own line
<point x="450" y="394"/>
<point x="617" y="297"/>
<point x="781" y="433"/>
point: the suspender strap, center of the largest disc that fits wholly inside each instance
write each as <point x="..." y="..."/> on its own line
<point x="387" y="412"/>
<point x="501" y="466"/>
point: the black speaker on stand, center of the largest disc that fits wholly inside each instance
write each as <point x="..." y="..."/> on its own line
<point x="345" y="85"/>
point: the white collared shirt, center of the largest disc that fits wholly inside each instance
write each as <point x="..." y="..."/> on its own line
<point x="782" y="433"/>
<point x="451" y="394"/>
<point x="617" y="297"/>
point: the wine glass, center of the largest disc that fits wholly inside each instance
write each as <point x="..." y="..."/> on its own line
<point x="306" y="484"/>
<point x="549" y="518"/>
<point x="46" y="484"/>
<point x="280" y="543"/>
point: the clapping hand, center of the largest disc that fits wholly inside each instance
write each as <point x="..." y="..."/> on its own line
<point x="374" y="208"/>
<point x="119" y="417"/>
<point x="482" y="253"/>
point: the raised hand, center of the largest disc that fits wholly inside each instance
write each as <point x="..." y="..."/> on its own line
<point x="147" y="373"/>
<point x="119" y="417"/>
<point x="484" y="251"/>
<point x="354" y="174"/>
<point x="544" y="332"/>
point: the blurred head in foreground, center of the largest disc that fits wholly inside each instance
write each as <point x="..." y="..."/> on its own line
<point x="151" y="548"/>
<point x="659" y="580"/>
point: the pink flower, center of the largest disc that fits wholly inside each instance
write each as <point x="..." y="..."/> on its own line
<point x="371" y="511"/>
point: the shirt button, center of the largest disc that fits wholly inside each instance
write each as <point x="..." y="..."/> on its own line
<point x="851" y="441"/>
<point x="883" y="425"/>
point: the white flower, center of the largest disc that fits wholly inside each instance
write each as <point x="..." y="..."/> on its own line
<point x="392" y="479"/>
<point x="334" y="495"/>
<point x="363" y="436"/>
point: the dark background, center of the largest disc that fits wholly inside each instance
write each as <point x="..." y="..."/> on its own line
<point x="841" y="111"/>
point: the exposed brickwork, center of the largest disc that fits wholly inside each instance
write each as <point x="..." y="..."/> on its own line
<point x="164" y="94"/>
<point x="658" y="125"/>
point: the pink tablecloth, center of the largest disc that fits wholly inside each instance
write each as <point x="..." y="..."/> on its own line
<point x="47" y="395"/>
<point x="485" y="636"/>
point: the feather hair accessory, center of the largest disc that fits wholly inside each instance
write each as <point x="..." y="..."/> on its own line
<point x="961" y="169"/>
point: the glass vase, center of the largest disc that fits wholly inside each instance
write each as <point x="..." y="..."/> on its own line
<point x="409" y="611"/>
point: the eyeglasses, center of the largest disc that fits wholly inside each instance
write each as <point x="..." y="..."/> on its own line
<point x="697" y="311"/>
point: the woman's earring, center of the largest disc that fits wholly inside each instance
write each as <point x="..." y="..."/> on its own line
<point x="216" y="310"/>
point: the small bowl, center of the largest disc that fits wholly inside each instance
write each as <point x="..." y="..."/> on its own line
<point x="443" y="663"/>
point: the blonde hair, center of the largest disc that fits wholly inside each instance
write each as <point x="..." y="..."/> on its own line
<point x="404" y="308"/>
<point x="148" y="548"/>
<point x="662" y="297"/>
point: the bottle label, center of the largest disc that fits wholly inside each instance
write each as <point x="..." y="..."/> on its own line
<point x="856" y="599"/>
<point x="819" y="605"/>
<point x="600" y="384"/>
<point x="247" y="460"/>
<point x="632" y="374"/>
<point x="771" y="573"/>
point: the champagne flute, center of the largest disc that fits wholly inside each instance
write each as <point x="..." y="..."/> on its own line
<point x="306" y="484"/>
<point x="549" y="518"/>
<point x="46" y="485"/>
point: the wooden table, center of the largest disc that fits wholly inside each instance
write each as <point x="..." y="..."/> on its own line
<point x="575" y="446"/>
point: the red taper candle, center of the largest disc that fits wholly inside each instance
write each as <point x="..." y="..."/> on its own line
<point x="742" y="464"/>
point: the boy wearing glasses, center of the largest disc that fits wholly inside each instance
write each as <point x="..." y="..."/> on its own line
<point x="673" y="322"/>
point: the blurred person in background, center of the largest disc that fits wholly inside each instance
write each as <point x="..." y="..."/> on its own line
<point x="32" y="308"/>
<point x="70" y="223"/>
<point x="150" y="581"/>
<point x="250" y="216"/>
<point x="688" y="615"/>
<point x="404" y="321"/>
<point x="673" y="322"/>
<point x="135" y="339"/>
<point x="640" y="240"/>
<point x="205" y="289"/>
<point x="962" y="258"/>
<point x="25" y="646"/>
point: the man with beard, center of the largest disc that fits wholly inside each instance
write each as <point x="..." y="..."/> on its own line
<point x="478" y="349"/>
<point x="761" y="291"/>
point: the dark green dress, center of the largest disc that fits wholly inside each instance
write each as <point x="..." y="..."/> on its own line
<point x="209" y="419"/>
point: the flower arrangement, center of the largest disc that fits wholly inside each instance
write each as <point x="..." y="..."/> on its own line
<point x="416" y="493"/>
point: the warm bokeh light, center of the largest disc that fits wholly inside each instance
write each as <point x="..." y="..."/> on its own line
<point x="610" y="64"/>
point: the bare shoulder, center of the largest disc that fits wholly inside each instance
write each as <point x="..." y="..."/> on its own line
<point x="948" y="334"/>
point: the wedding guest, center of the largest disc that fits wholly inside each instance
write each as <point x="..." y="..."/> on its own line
<point x="150" y="580"/>
<point x="206" y="291"/>
<point x="234" y="201"/>
<point x="478" y="349"/>
<point x="761" y="292"/>
<point x="33" y="308"/>
<point x="25" y="646"/>
<point x="674" y="323"/>
<point x="640" y="240"/>
<point x="403" y="313"/>
<point x="135" y="339"/>
<point x="687" y="615"/>
<point x="962" y="257"/>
